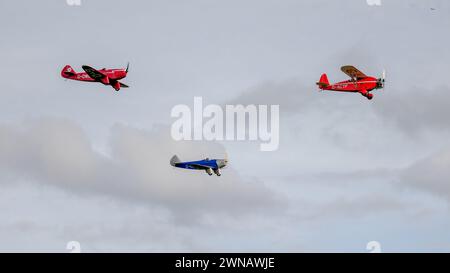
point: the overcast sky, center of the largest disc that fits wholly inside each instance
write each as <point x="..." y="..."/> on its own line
<point x="81" y="162"/>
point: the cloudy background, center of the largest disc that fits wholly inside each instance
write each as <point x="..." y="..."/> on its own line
<point x="81" y="162"/>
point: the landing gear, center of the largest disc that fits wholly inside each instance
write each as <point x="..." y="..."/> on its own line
<point x="366" y="94"/>
<point x="217" y="172"/>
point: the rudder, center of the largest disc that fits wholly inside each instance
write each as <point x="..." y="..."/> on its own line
<point x="174" y="160"/>
<point x="68" y="72"/>
<point x="323" y="82"/>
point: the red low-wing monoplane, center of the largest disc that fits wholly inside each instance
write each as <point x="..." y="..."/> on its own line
<point x="105" y="76"/>
<point x="359" y="82"/>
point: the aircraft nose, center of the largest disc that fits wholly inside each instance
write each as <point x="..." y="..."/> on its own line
<point x="380" y="83"/>
<point x="223" y="163"/>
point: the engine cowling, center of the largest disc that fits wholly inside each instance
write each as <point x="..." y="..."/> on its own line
<point x="209" y="171"/>
<point x="217" y="172"/>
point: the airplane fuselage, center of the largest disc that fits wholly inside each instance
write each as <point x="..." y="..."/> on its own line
<point x="359" y="82"/>
<point x="104" y="76"/>
<point x="210" y="166"/>
<point x="112" y="74"/>
<point x="191" y="165"/>
<point x="368" y="84"/>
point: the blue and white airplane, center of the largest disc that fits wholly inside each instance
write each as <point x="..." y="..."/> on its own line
<point x="208" y="165"/>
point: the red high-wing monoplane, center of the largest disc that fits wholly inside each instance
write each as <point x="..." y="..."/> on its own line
<point x="105" y="76"/>
<point x="359" y="82"/>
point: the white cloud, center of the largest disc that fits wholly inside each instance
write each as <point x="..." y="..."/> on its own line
<point x="431" y="174"/>
<point x="58" y="153"/>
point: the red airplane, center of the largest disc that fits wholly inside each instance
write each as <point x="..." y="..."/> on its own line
<point x="359" y="82"/>
<point x="105" y="76"/>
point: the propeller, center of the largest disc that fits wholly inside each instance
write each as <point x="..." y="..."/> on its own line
<point x="382" y="80"/>
<point x="225" y="160"/>
<point x="128" y="66"/>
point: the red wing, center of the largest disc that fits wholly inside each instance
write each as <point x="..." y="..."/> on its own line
<point x="353" y="72"/>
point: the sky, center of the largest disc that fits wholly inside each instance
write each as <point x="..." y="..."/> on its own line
<point x="81" y="162"/>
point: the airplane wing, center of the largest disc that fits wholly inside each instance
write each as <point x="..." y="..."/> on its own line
<point x="123" y="85"/>
<point x="199" y="166"/>
<point x="353" y="72"/>
<point x="93" y="73"/>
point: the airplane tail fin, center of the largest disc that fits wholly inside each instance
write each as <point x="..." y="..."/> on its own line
<point x="174" y="160"/>
<point x="68" y="72"/>
<point x="323" y="82"/>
